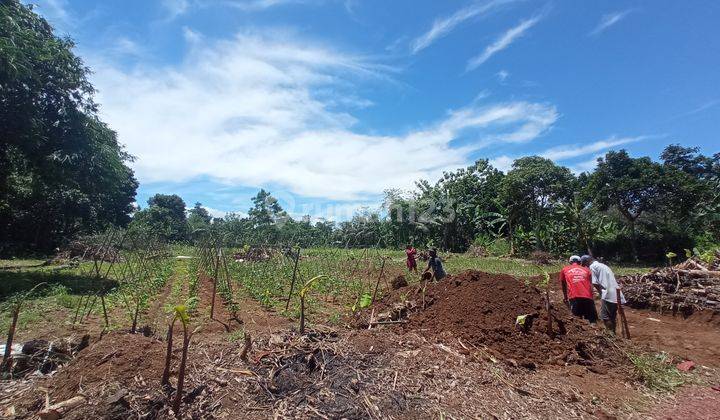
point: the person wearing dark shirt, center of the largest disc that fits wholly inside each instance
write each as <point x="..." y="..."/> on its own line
<point x="435" y="264"/>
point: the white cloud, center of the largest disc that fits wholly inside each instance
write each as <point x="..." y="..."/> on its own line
<point x="574" y="150"/>
<point x="175" y="8"/>
<point x="502" y="75"/>
<point x="254" y="5"/>
<point x="502" y="42"/>
<point x="699" y="109"/>
<point x="254" y="111"/>
<point x="57" y="13"/>
<point x="586" y="165"/>
<point x="503" y="163"/>
<point x="219" y="213"/>
<point x="609" y="20"/>
<point x="443" y="26"/>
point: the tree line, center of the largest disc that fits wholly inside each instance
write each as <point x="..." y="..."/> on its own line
<point x="625" y="209"/>
<point x="63" y="173"/>
<point x="62" y="170"/>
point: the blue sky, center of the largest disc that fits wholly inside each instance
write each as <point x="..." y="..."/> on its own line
<point x="328" y="102"/>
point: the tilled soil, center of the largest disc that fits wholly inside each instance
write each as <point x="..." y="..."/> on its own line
<point x="482" y="309"/>
<point x="460" y="357"/>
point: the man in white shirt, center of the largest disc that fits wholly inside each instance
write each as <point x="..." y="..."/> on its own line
<point x="604" y="281"/>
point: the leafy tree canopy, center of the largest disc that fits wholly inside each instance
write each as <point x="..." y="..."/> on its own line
<point x="62" y="170"/>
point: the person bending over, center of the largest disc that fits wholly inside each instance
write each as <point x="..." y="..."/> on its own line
<point x="607" y="286"/>
<point x="435" y="264"/>
<point x="577" y="290"/>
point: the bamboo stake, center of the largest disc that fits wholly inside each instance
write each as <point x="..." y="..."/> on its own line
<point x="623" y="320"/>
<point x="212" y="303"/>
<point x="377" y="284"/>
<point x="294" y="277"/>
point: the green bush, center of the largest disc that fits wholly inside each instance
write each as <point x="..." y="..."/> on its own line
<point x="495" y="247"/>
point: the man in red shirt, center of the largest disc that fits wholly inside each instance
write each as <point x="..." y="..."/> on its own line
<point x="576" y="282"/>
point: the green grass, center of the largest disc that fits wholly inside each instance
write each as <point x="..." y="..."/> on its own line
<point x="15" y="263"/>
<point x="351" y="272"/>
<point x="348" y="274"/>
<point x="657" y="371"/>
<point x="36" y="309"/>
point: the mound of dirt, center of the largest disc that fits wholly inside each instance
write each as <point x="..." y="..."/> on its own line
<point x="482" y="310"/>
<point x="117" y="374"/>
<point x="399" y="282"/>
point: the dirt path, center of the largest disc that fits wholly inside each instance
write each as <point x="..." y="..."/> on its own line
<point x="692" y="340"/>
<point x="692" y="402"/>
<point x="696" y="338"/>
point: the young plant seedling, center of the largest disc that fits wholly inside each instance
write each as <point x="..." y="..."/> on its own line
<point x="303" y="292"/>
<point x="181" y="313"/>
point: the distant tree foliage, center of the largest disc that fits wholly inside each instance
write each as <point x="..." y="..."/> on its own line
<point x="626" y="209"/>
<point x="63" y="173"/>
<point x="198" y="218"/>
<point x="62" y="170"/>
<point x="165" y="216"/>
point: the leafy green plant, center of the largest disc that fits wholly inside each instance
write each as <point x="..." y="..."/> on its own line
<point x="181" y="314"/>
<point x="365" y="300"/>
<point x="303" y="293"/>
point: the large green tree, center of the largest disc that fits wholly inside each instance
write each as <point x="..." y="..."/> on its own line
<point x="531" y="191"/>
<point x="164" y="216"/>
<point x="632" y="186"/>
<point x="198" y="218"/>
<point x="62" y="170"/>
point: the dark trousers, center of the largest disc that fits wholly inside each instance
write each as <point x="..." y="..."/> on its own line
<point x="584" y="308"/>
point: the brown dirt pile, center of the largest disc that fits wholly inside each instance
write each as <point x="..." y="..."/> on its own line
<point x="481" y="309"/>
<point x="114" y="373"/>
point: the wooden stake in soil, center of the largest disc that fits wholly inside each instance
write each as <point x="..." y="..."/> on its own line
<point x="294" y="277"/>
<point x="623" y="320"/>
<point x="548" y="307"/>
<point x="77" y="310"/>
<point x="212" y="302"/>
<point x="168" y="355"/>
<point x="382" y="270"/>
<point x="7" y="357"/>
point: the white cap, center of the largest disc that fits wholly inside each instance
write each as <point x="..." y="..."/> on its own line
<point x="574" y="258"/>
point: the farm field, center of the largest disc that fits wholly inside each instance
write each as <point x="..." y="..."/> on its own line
<point x="458" y="357"/>
<point x="311" y="209"/>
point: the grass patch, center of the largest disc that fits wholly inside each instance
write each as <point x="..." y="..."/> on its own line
<point x="235" y="336"/>
<point x="657" y="371"/>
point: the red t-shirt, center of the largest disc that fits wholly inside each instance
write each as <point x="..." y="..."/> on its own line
<point x="578" y="280"/>
<point x="411" y="257"/>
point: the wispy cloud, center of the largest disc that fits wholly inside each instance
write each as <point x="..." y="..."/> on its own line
<point x="503" y="42"/>
<point x="586" y="165"/>
<point x="255" y="5"/>
<point x="574" y="150"/>
<point x="569" y="151"/>
<point x="175" y="8"/>
<point x="502" y="75"/>
<point x="294" y="128"/>
<point x="608" y="20"/>
<point x="704" y="107"/>
<point x="58" y="13"/>
<point x="445" y="25"/>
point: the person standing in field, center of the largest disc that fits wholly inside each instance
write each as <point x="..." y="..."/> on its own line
<point x="576" y="283"/>
<point x="604" y="281"/>
<point x="435" y="264"/>
<point x="411" y="258"/>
